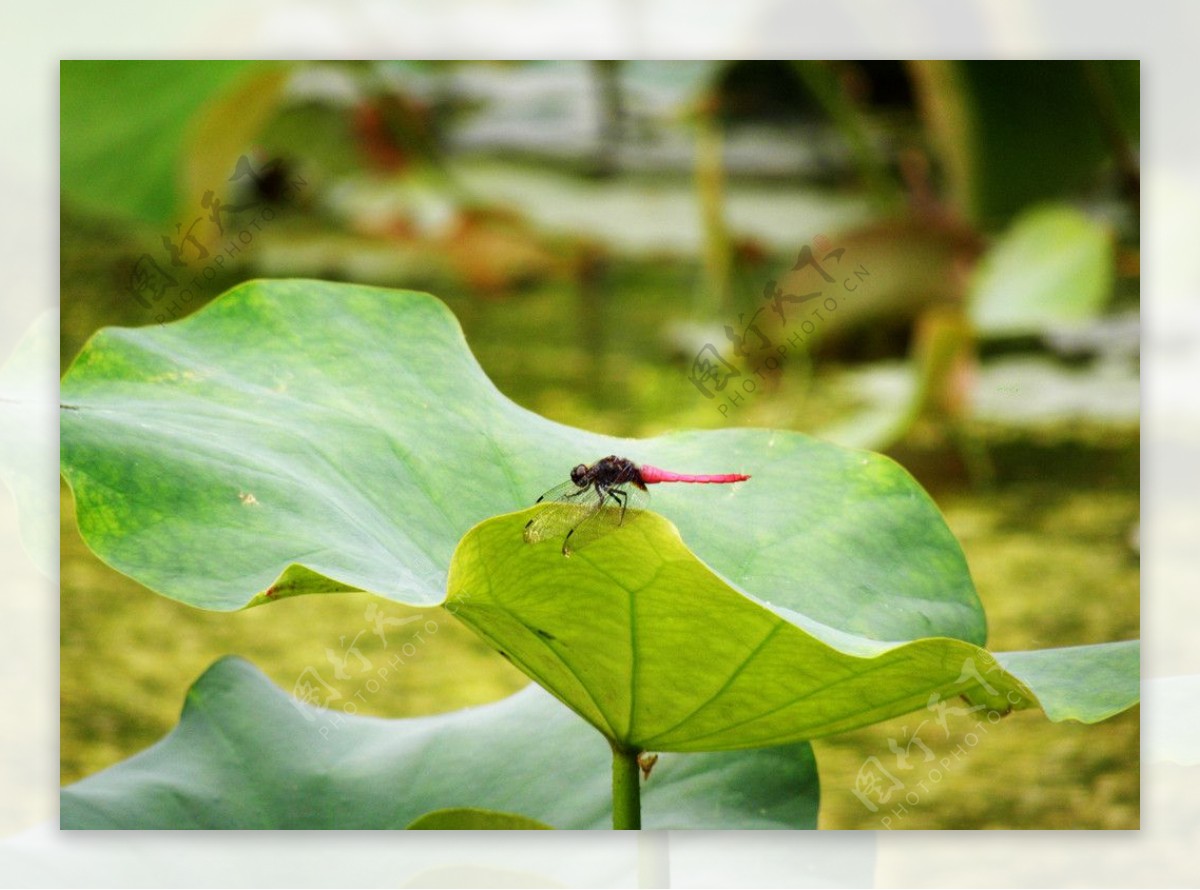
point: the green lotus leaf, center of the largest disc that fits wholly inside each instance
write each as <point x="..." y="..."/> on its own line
<point x="246" y="755"/>
<point x="1054" y="266"/>
<point x="660" y="653"/>
<point x="304" y="437"/>
<point x="128" y="140"/>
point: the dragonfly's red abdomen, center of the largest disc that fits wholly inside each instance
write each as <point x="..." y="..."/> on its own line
<point x="652" y="475"/>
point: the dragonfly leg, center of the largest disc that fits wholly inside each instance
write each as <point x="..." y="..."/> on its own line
<point x="622" y="498"/>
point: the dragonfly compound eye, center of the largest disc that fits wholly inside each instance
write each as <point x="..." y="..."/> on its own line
<point x="579" y="474"/>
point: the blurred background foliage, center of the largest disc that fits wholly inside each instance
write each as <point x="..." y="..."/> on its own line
<point x="616" y="239"/>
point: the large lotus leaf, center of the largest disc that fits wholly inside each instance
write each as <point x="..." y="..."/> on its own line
<point x="305" y="436"/>
<point x="246" y="755"/>
<point x="660" y="653"/>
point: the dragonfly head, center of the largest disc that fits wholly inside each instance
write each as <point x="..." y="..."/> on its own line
<point x="579" y="475"/>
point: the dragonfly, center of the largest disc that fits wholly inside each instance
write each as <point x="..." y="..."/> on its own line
<point x="601" y="497"/>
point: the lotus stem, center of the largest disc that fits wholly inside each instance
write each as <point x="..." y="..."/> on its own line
<point x="627" y="789"/>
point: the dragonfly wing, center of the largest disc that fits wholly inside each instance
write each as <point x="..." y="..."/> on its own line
<point x="568" y="493"/>
<point x="567" y="506"/>
<point x="621" y="507"/>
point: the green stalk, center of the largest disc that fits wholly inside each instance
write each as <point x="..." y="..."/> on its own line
<point x="627" y="789"/>
<point x="710" y="188"/>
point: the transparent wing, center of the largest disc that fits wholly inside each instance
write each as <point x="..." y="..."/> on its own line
<point x="567" y="506"/>
<point x="577" y="517"/>
<point x="622" y="506"/>
<point x="568" y="493"/>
